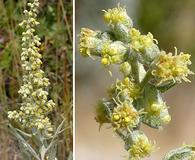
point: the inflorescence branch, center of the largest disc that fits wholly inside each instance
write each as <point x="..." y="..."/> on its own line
<point x="148" y="72"/>
<point x="35" y="105"/>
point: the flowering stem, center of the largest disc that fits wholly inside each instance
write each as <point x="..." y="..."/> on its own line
<point x="32" y="116"/>
<point x="147" y="71"/>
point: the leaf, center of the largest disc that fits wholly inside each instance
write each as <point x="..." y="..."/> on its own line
<point x="43" y="151"/>
<point x="102" y="113"/>
<point x="166" y="86"/>
<point x="52" y="152"/>
<point x="25" y="145"/>
<point x="24" y="133"/>
<point x="183" y="153"/>
<point x="152" y="96"/>
<point x="24" y="152"/>
<point x="52" y="146"/>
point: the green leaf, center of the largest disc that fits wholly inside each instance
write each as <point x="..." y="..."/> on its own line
<point x="51" y="148"/>
<point x="166" y="86"/>
<point x="43" y="151"/>
<point x="102" y="113"/>
<point x="52" y="152"/>
<point x="150" y="117"/>
<point x="25" y="145"/>
<point x="182" y="153"/>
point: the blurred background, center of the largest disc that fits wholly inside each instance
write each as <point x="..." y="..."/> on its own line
<point x="173" y="24"/>
<point x="55" y="31"/>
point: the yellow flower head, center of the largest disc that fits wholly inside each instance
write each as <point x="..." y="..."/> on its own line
<point x="112" y="53"/>
<point x="126" y="89"/>
<point x="172" y="67"/>
<point x="117" y="15"/>
<point x="141" y="146"/>
<point x="87" y="41"/>
<point x="125" y="116"/>
<point x="140" y="42"/>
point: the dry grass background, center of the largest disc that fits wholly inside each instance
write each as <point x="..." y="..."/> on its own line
<point x="55" y="31"/>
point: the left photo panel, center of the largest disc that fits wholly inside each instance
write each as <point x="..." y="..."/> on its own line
<point x="36" y="82"/>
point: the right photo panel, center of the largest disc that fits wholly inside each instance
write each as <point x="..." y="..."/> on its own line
<point x="135" y="64"/>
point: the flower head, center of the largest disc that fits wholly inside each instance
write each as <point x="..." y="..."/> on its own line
<point x="125" y="116"/>
<point x="88" y="41"/>
<point x="140" y="147"/>
<point x="140" y="42"/>
<point x="125" y="89"/>
<point x="112" y="53"/>
<point x="117" y="15"/>
<point x="172" y="67"/>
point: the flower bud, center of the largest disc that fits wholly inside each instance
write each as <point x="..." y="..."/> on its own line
<point x="125" y="68"/>
<point x="105" y="61"/>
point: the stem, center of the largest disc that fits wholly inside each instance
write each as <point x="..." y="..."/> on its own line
<point x="66" y="21"/>
<point x="148" y="75"/>
<point x="120" y="134"/>
<point x="146" y="79"/>
<point x="135" y="67"/>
